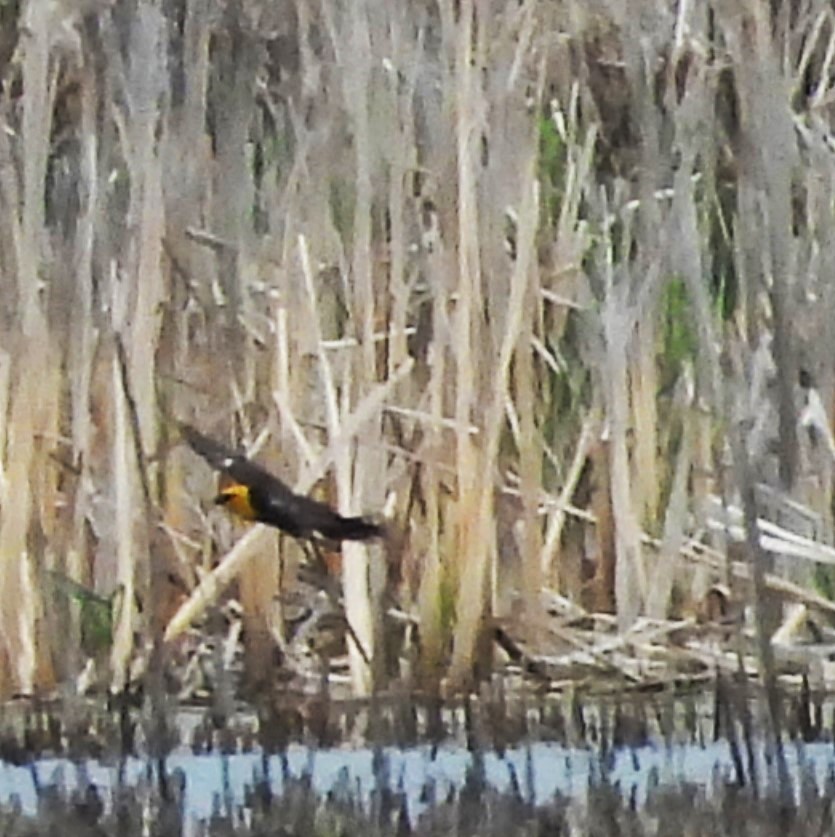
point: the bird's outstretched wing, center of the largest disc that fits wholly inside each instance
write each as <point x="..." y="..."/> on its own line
<point x="231" y="463"/>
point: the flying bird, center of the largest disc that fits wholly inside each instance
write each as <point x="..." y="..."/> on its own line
<point x="255" y="494"/>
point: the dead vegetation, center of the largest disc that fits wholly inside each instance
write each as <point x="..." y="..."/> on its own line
<point x="548" y="283"/>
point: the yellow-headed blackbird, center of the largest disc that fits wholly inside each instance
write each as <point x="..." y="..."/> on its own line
<point x="255" y="494"/>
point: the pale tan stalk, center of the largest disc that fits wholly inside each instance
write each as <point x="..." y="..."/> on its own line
<point x="471" y="551"/>
<point x="675" y="521"/>
<point x="556" y="518"/>
<point x="212" y="585"/>
<point x="32" y="370"/>
<point x="432" y="577"/>
<point x="83" y="334"/>
<point x="126" y="502"/>
<point x="353" y="425"/>
<point x="5" y="405"/>
<point x="18" y="611"/>
<point x="471" y="600"/>
<point x="355" y="565"/>
<point x="258" y="588"/>
<point x="363" y="579"/>
<point x="39" y="23"/>
<point x="146" y="84"/>
<point x="630" y="576"/>
<point x="646" y="469"/>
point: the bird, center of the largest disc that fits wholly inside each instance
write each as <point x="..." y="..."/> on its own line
<point x="256" y="495"/>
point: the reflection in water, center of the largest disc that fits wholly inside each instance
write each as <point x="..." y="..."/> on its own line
<point x="421" y="776"/>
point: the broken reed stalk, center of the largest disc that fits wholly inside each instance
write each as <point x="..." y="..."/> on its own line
<point x="556" y="517"/>
<point x="520" y="331"/>
<point x="258" y="588"/>
<point x="530" y="461"/>
<point x="214" y="583"/>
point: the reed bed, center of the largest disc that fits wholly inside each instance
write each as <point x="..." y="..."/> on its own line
<point x="546" y="284"/>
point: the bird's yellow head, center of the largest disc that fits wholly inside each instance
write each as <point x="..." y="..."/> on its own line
<point x="236" y="498"/>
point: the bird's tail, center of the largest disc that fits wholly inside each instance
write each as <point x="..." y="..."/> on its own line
<point x="356" y="529"/>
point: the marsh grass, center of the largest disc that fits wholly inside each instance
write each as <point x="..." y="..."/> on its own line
<point x="474" y="264"/>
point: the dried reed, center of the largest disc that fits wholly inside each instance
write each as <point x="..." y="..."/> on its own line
<point x="428" y="250"/>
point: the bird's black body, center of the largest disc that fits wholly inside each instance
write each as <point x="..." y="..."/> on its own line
<point x="255" y="494"/>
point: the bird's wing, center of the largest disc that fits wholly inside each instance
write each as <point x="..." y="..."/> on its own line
<point x="217" y="455"/>
<point x="237" y="466"/>
<point x="224" y="459"/>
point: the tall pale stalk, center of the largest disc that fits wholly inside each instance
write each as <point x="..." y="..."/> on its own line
<point x="355" y="565"/>
<point x="146" y="84"/>
<point x="258" y="587"/>
<point x="647" y="469"/>
<point x="530" y="454"/>
<point x="675" y="522"/>
<point x="41" y="22"/>
<point x="83" y="333"/>
<point x="360" y="606"/>
<point x="480" y="534"/>
<point x="127" y="500"/>
<point x="432" y="576"/>
<point x="33" y="387"/>
<point x="471" y="548"/>
<point x="19" y="609"/>
<point x="765" y="90"/>
<point x="630" y="575"/>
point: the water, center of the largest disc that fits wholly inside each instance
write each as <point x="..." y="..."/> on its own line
<point x="423" y="775"/>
